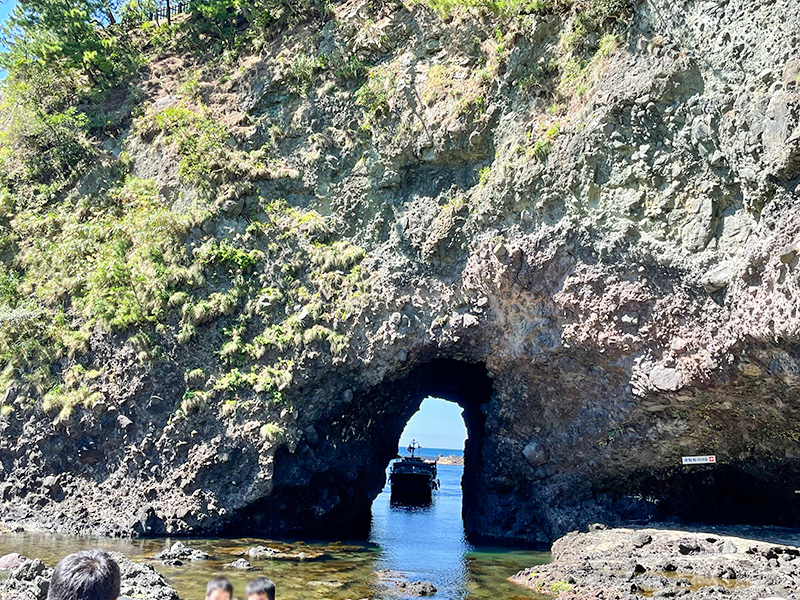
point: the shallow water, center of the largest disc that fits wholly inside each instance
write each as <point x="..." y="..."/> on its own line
<point x="406" y="543"/>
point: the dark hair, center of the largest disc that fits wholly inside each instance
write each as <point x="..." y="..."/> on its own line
<point x="87" y="575"/>
<point x="262" y="585"/>
<point x="219" y="583"/>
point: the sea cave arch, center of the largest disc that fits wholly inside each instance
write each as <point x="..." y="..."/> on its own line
<point x="544" y="455"/>
<point x="326" y="483"/>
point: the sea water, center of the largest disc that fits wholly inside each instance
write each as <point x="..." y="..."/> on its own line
<point x="406" y="544"/>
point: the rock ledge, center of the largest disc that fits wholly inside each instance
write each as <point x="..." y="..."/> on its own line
<point x="623" y="564"/>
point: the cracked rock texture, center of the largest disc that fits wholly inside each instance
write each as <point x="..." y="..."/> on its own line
<point x="625" y="564"/>
<point x="619" y="296"/>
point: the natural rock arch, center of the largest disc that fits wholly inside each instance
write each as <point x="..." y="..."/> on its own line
<point x="536" y="462"/>
<point x="328" y="484"/>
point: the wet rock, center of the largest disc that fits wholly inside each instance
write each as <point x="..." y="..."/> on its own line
<point x="178" y="552"/>
<point x="641" y="539"/>
<point x="266" y="553"/>
<point x="240" y="564"/>
<point x="418" y="588"/>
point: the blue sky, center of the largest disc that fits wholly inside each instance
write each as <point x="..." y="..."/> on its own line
<point x="437" y="424"/>
<point x="5" y="8"/>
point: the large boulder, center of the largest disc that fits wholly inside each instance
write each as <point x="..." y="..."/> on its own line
<point x="142" y="580"/>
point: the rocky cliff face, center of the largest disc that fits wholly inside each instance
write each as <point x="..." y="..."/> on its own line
<point x="587" y="239"/>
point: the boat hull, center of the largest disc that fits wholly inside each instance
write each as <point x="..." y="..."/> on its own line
<point x="416" y="486"/>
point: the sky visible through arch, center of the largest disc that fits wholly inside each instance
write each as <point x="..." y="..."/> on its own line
<point x="437" y="424"/>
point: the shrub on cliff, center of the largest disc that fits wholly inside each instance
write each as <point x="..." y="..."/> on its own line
<point x="62" y="58"/>
<point x="78" y="40"/>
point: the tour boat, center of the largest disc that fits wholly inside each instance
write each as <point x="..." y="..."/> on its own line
<point x="413" y="477"/>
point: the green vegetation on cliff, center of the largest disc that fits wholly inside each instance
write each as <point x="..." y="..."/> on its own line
<point x="209" y="271"/>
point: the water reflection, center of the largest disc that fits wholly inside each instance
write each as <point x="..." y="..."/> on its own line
<point x="412" y="507"/>
<point x="427" y="543"/>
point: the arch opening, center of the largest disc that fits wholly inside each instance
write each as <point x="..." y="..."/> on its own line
<point x="327" y="483"/>
<point x="463" y="384"/>
<point x="422" y="534"/>
<point x="436" y="429"/>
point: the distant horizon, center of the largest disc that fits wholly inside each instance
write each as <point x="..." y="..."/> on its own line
<point x="402" y="447"/>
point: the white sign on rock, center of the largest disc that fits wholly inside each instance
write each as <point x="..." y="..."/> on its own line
<point x="698" y="460"/>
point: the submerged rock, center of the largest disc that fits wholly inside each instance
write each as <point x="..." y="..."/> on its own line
<point x="418" y="588"/>
<point x="266" y="553"/>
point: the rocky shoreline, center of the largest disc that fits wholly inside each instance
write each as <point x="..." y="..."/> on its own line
<point x="450" y="460"/>
<point x="628" y="564"/>
<point x="601" y="564"/>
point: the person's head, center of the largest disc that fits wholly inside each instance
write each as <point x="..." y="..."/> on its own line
<point x="261" y="589"/>
<point x="219" y="588"/>
<point x="87" y="575"/>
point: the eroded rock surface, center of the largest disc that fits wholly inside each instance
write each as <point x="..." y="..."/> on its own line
<point x="617" y="564"/>
<point x="604" y="287"/>
<point x="178" y="553"/>
<point x="29" y="581"/>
